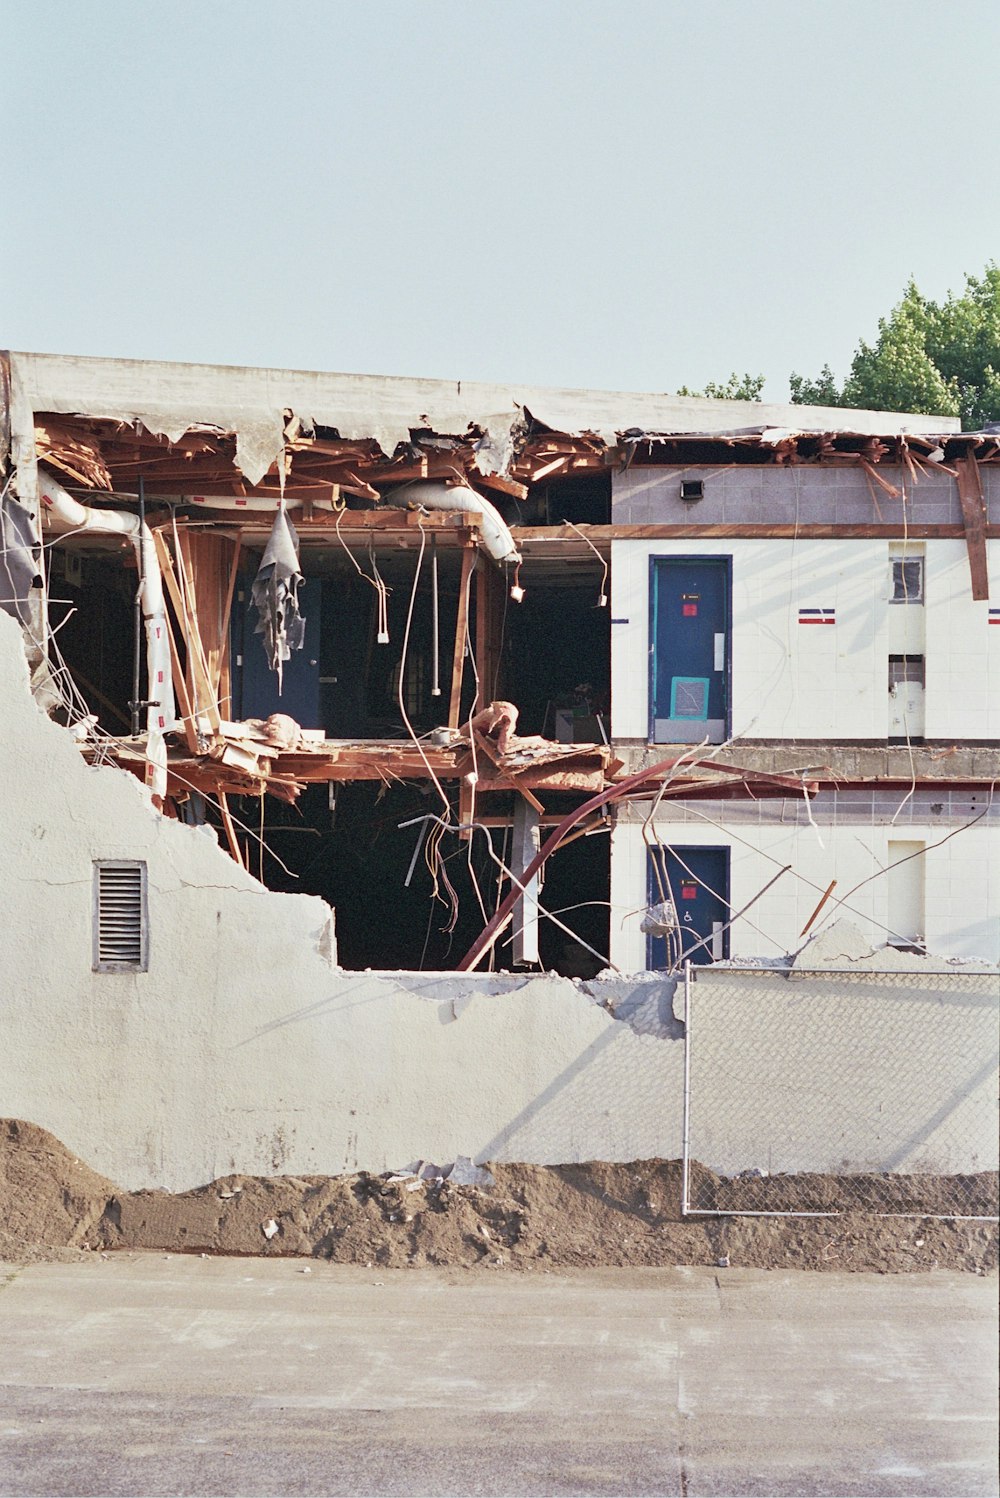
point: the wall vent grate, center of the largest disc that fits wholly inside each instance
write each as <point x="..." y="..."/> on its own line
<point x="120" y="922"/>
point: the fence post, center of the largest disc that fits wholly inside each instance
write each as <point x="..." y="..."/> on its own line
<point x="686" y="1125"/>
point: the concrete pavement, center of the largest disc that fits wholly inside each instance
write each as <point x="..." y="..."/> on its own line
<point x="168" y="1375"/>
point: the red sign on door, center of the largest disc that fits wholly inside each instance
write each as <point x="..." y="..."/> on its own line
<point x="689" y="892"/>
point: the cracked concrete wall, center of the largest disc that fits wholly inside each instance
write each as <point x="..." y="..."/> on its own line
<point x="241" y="1049"/>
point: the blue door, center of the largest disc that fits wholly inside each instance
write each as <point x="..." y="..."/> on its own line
<point x="255" y="685"/>
<point x="690" y="649"/>
<point x="696" y="883"/>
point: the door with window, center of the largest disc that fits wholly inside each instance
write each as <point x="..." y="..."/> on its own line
<point x="693" y="883"/>
<point x="690" y="649"/>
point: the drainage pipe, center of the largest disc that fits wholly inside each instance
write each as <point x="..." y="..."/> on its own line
<point x="160" y="713"/>
<point x="436" y="495"/>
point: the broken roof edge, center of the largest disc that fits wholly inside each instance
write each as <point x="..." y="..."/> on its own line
<point x="171" y="397"/>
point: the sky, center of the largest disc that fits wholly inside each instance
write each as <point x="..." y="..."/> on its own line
<point x="627" y="195"/>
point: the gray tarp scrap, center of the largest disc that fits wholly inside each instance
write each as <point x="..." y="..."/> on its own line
<point x="275" y="595"/>
<point x="18" y="558"/>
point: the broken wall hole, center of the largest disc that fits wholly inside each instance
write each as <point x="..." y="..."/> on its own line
<point x="376" y="875"/>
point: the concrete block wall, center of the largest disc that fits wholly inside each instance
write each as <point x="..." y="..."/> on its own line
<point x="807" y="494"/>
<point x="792" y="681"/>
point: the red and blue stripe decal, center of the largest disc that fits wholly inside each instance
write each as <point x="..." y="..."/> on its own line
<point x="817" y="616"/>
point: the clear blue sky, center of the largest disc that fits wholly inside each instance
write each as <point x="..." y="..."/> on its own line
<point x="634" y="194"/>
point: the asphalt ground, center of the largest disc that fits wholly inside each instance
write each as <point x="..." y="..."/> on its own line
<point x="153" y="1374"/>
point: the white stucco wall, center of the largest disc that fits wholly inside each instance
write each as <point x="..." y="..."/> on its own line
<point x="795" y="681"/>
<point x="241" y="1049"/>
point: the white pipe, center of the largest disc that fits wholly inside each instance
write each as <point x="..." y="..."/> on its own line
<point x="160" y="715"/>
<point x="437" y="495"/>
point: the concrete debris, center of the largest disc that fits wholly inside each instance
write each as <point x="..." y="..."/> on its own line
<point x="465" y="1173"/>
<point x="842" y="947"/>
<point x="269" y="1228"/>
<point x="659" y="920"/>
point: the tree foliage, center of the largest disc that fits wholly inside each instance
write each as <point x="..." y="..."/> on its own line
<point x="745" y="387"/>
<point x="937" y="358"/>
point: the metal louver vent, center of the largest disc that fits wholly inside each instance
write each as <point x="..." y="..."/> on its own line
<point x="120" y="925"/>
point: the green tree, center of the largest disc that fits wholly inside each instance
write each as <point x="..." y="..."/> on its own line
<point x="745" y="387"/>
<point x="938" y="358"/>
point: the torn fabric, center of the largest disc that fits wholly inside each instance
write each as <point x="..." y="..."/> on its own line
<point x="275" y="595"/>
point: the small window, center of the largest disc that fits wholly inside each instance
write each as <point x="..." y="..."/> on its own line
<point x="689" y="697"/>
<point x="907" y="580"/>
<point x="121" y="927"/>
<point x="905" y="668"/>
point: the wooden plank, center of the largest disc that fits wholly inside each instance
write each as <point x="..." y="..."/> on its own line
<point x="489" y="612"/>
<point x="198" y="672"/>
<point x="207" y="569"/>
<point x="180" y="687"/>
<point x="227" y="822"/>
<point x="970" y="495"/>
<point x="502" y="776"/>
<point x="224" y="685"/>
<point x="461" y="625"/>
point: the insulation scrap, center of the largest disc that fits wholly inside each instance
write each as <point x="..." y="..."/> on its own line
<point x="275" y="595"/>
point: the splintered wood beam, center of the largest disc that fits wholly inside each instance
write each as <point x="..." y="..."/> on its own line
<point x="180" y="687"/>
<point x="224" y="685"/>
<point x="201" y="686"/>
<point x="461" y="628"/>
<point x="227" y="822"/>
<point x="502" y="776"/>
<point x="970" y="496"/>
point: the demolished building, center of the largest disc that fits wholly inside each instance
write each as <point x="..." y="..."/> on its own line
<point x="394" y="639"/>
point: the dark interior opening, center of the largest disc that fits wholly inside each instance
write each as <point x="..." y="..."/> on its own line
<point x="584" y="498"/>
<point x="92" y="615"/>
<point x="345" y="681"/>
<point x="357" y="857"/>
<point x="558" y="654"/>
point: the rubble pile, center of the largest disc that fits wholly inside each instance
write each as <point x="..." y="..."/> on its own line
<point x="523" y="1217"/>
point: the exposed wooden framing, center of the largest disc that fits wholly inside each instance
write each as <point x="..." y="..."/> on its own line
<point x="208" y="573"/>
<point x="180" y="687"/>
<point x="503" y="776"/>
<point x="499" y="484"/>
<point x="461" y="626"/>
<point x="970" y="495"/>
<point x="488" y="617"/>
<point x="199" y="682"/>
<point x="225" y="684"/>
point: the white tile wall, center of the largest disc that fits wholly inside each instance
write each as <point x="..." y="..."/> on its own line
<point x="962" y="884"/>
<point x="962" y="649"/>
<point x="801" y="681"/>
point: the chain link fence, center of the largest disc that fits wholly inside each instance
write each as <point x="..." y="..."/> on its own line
<point x="824" y="1093"/>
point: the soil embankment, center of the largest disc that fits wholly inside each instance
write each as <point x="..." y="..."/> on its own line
<point x="531" y="1217"/>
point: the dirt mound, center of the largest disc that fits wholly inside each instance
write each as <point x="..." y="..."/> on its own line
<point x="48" y="1198"/>
<point x="530" y="1217"/>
